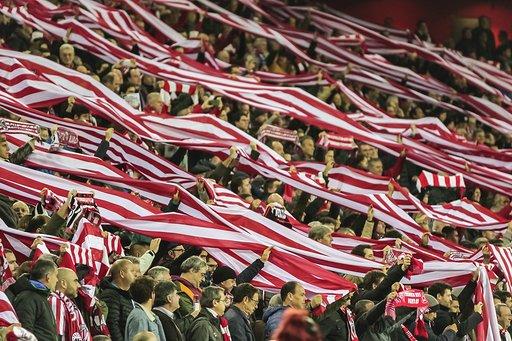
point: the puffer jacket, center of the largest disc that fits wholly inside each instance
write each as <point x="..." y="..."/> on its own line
<point x="119" y="304"/>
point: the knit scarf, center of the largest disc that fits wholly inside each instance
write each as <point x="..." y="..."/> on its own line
<point x="412" y="299"/>
<point x="226" y="336"/>
<point x="351" y="325"/>
<point x="408" y="333"/>
<point x="16" y="127"/>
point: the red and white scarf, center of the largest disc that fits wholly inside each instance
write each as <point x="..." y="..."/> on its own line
<point x="426" y="179"/>
<point x="224" y="329"/>
<point x="351" y="323"/>
<point x="15" y="127"/>
<point x="412" y="299"/>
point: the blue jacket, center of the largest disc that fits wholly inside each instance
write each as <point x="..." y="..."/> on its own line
<point x="272" y="317"/>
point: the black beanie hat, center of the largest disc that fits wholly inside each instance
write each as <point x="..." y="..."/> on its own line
<point x="223" y="273"/>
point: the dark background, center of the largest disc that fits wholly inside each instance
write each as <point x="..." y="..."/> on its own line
<point x="445" y="18"/>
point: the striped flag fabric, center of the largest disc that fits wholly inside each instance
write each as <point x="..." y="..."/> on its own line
<point x="503" y="257"/>
<point x="7" y="314"/>
<point x="428" y="179"/>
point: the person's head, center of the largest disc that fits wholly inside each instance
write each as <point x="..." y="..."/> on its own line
<point x="142" y="290"/>
<point x="109" y="80"/>
<point x="134" y="77"/>
<point x="297" y="325"/>
<point x="159" y="273"/>
<point x="67" y="282"/>
<point x="293" y="295"/>
<point x="363" y="250"/>
<point x="45" y="271"/>
<point x="483" y="22"/>
<point x="329" y="156"/>
<point x="451" y="234"/>
<point x="442" y="293"/>
<point x="242" y="122"/>
<point x="66" y="54"/>
<point x="433" y="306"/>
<point x="241" y="184"/>
<point x="479" y="136"/>
<point x="363" y="306"/>
<point x="275" y="198"/>
<point x="455" y="306"/>
<point x="123" y="273"/>
<point x="11" y="260"/>
<point x="504" y="315"/>
<point x="166" y="295"/>
<point x="138" y="249"/>
<point x="20" y="208"/>
<point x="489" y="235"/>
<point x="145" y="336"/>
<point x="505" y="297"/>
<point x="366" y="150"/>
<point x="211" y="263"/>
<point x="214" y="298"/>
<point x="136" y="265"/>
<point x="176" y="251"/>
<point x="375" y="166"/>
<point x="154" y="101"/>
<point x="194" y="270"/>
<point x="277" y="147"/>
<point x="308" y="146"/>
<point x="372" y="279"/>
<point x="321" y="234"/>
<point x="246" y="297"/>
<point x="225" y="277"/>
<point x="4" y="147"/>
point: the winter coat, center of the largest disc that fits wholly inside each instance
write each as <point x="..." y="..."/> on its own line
<point x="119" y="304"/>
<point x="240" y="327"/>
<point x="205" y="327"/>
<point x="34" y="312"/>
<point x="272" y="317"/>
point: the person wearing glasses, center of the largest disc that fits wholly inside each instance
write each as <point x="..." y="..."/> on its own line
<point x="193" y="271"/>
<point x="245" y="302"/>
<point x="210" y="324"/>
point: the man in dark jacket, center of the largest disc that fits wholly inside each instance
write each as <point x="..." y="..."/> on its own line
<point x="166" y="303"/>
<point x="245" y="302"/>
<point x="31" y="304"/>
<point x="470" y="316"/>
<point x="377" y="285"/>
<point x="207" y="325"/>
<point x="115" y="294"/>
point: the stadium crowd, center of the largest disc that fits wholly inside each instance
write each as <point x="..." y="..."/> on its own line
<point x="160" y="288"/>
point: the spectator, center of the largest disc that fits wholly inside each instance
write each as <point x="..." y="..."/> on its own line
<point x="504" y="315"/>
<point x="10" y="257"/>
<point x="363" y="250"/>
<point x="245" y="302"/>
<point x="115" y="293"/>
<point x="483" y="30"/>
<point x="67" y="55"/>
<point x="468" y="321"/>
<point x="226" y="278"/>
<point x="159" y="273"/>
<point x="193" y="271"/>
<point x="167" y="302"/>
<point x="21" y="209"/>
<point x="296" y="325"/>
<point x="321" y="234"/>
<point x="20" y="155"/>
<point x="210" y="323"/>
<point x="31" y="304"/>
<point x="292" y="295"/>
<point x="142" y="318"/>
<point x="69" y="320"/>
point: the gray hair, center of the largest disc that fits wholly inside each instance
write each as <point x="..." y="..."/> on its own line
<point x="157" y="271"/>
<point x="318" y="232"/>
<point x="66" y="47"/>
<point x="209" y="295"/>
<point x="193" y="264"/>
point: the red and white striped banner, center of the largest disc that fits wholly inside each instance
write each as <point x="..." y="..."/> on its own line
<point x="428" y="179"/>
